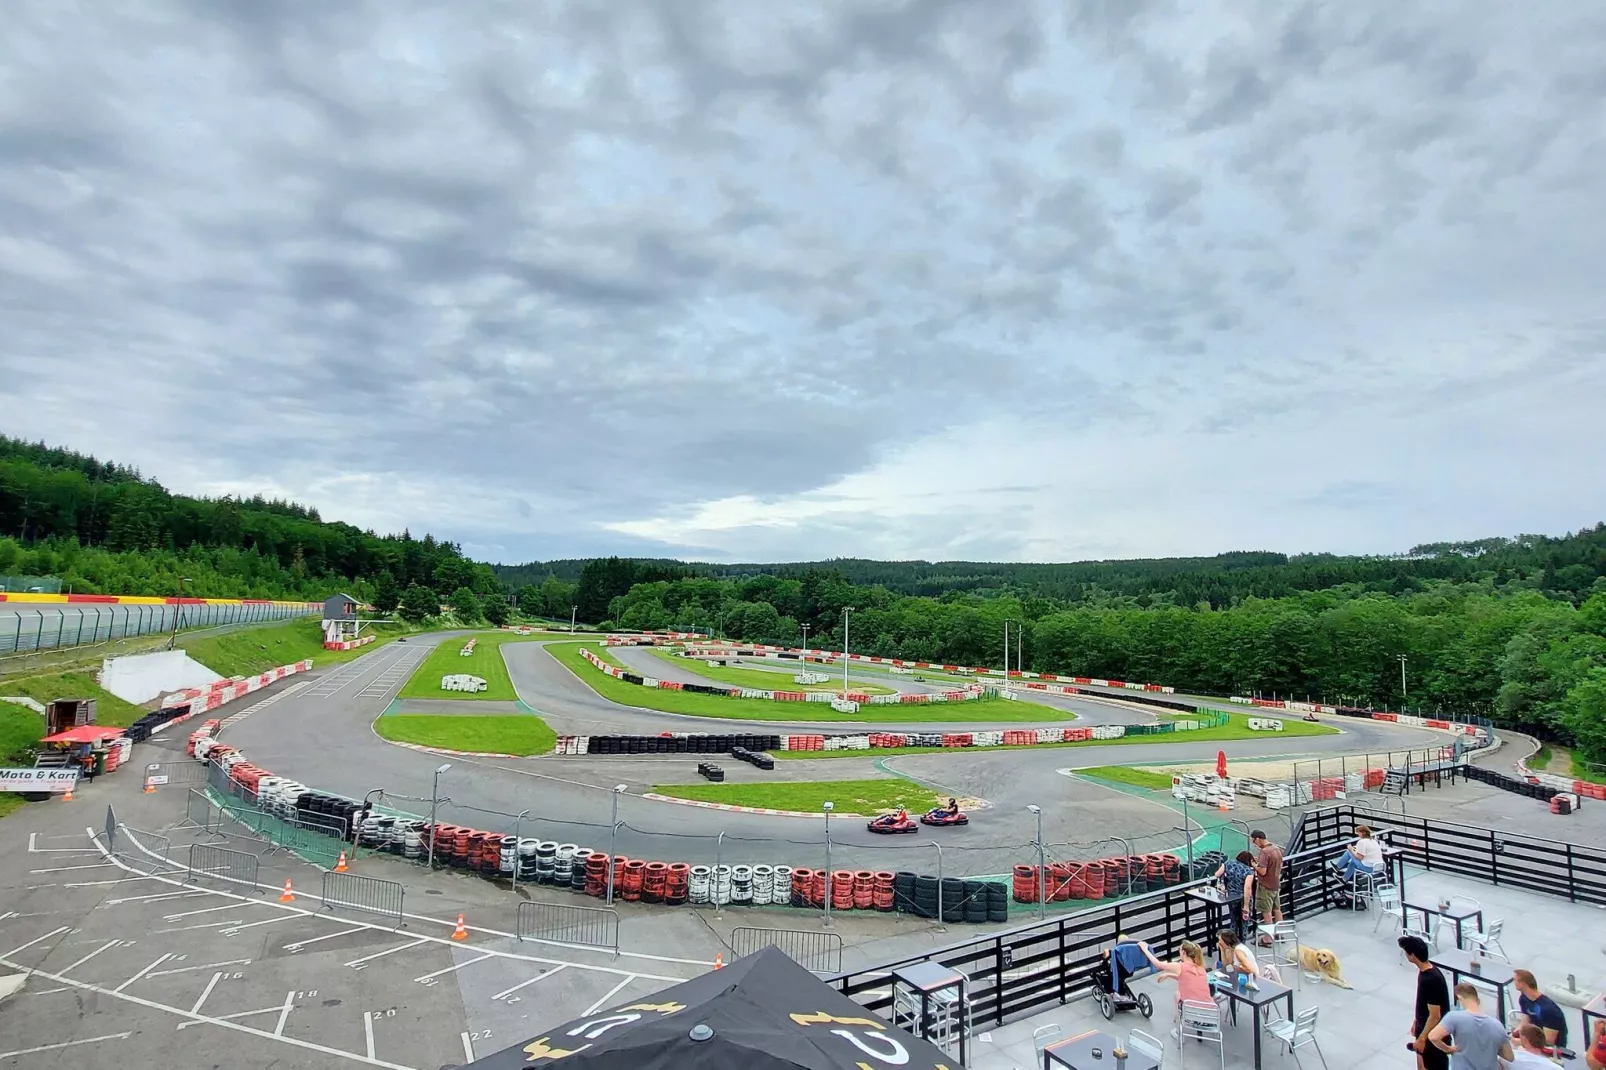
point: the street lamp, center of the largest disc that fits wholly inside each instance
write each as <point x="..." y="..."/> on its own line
<point x="572" y="611"/>
<point x="1007" y="622"/>
<point x="805" y="648"/>
<point x="1042" y="870"/>
<point x="845" y="611"/>
<point x="518" y="842"/>
<point x="1403" y="695"/>
<point x="178" y="611"/>
<point x="828" y="806"/>
<point x="613" y="838"/>
<point x="434" y="808"/>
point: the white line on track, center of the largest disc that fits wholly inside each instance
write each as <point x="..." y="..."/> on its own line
<point x="64" y="1044"/>
<point x="92" y="954"/>
<point x="207" y="991"/>
<point x="523" y="984"/>
<point x="459" y="966"/>
<point x="299" y="944"/>
<point x="143" y="972"/>
<point x="612" y="992"/>
<point x="198" y="1019"/>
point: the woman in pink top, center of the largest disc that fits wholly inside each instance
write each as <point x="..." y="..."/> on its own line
<point x="1193" y="983"/>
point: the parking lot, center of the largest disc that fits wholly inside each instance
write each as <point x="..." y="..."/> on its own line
<point x="131" y="969"/>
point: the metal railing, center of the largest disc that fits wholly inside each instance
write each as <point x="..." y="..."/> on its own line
<point x="563" y="923"/>
<point x="200" y="812"/>
<point x="818" y="951"/>
<point x="30" y="628"/>
<point x="349" y="891"/>
<point x="221" y="863"/>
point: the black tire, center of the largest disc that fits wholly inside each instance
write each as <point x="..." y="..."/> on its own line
<point x="1000" y="915"/>
<point x="1106" y="1006"/>
<point x="1145" y="1005"/>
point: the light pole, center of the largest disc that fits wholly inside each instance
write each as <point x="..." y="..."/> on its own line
<point x="572" y="611"/>
<point x="1020" y="632"/>
<point x="1006" y="653"/>
<point x="434" y="808"/>
<point x="845" y="611"/>
<point x="828" y="807"/>
<point x="178" y="612"/>
<point x="938" y="846"/>
<point x="1403" y="695"/>
<point x="805" y="648"/>
<point x="613" y="838"/>
<point x="518" y="841"/>
<point x="1042" y="869"/>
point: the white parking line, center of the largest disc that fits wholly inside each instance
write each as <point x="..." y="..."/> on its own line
<point x="33" y="838"/>
<point x="143" y="972"/>
<point x="207" y="991"/>
<point x="451" y="969"/>
<point x="236" y="1016"/>
<point x="368" y="1031"/>
<point x="69" y="869"/>
<point x="210" y="925"/>
<point x="92" y="954"/>
<point x="35" y="940"/>
<point x="205" y="966"/>
<point x="468" y="1048"/>
<point x="612" y="992"/>
<point x="146" y="898"/>
<point x="64" y="1044"/>
<point x="208" y="910"/>
<point x="289" y="1001"/>
<point x="522" y="984"/>
<point x="254" y="924"/>
<point x="357" y="963"/>
<point x="299" y="944"/>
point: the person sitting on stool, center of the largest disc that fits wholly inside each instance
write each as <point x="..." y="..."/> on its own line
<point x="1365" y="855"/>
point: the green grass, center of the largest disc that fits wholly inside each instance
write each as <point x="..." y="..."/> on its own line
<point x="517" y="733"/>
<point x="20" y="729"/>
<point x="1559" y="761"/>
<point x="752" y="709"/>
<point x="1237" y="728"/>
<point x="1122" y="774"/>
<point x="109" y="709"/>
<point x="849" y="796"/>
<point x="486" y="662"/>
<point x="9" y="802"/>
<point x="1543" y="758"/>
<point x="763" y="679"/>
<point x="250" y="651"/>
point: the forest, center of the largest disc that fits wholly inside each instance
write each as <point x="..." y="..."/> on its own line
<point x="102" y="528"/>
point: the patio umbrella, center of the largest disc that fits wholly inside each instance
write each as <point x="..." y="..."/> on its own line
<point x="1221" y="764"/>
<point x="762" y="1012"/>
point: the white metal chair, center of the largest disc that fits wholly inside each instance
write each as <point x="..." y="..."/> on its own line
<point x="1268" y="972"/>
<point x="1488" y="941"/>
<point x="1284" y="943"/>
<point x="1458" y="904"/>
<point x="1201" y="1022"/>
<point x="1042" y="1037"/>
<point x="1143" y="1044"/>
<point x="1298" y="1032"/>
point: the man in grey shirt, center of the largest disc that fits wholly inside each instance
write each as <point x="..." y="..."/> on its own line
<point x="1474" y="1040"/>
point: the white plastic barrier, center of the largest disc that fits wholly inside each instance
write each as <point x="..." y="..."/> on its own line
<point x="463" y="682"/>
<point x="1265" y="724"/>
<point x="842" y="705"/>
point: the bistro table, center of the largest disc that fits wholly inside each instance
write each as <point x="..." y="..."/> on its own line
<point x="1076" y="1053"/>
<point x="1256" y="999"/>
<point x="1492" y="972"/>
<point x="1458" y="914"/>
<point x="1225" y="917"/>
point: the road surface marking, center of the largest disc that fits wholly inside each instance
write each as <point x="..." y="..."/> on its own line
<point x="368" y="1031"/>
<point x="299" y="944"/>
<point x="468" y="1048"/>
<point x="92" y="954"/>
<point x="206" y="966"/>
<point x="522" y="984"/>
<point x="143" y="972"/>
<point x="254" y="924"/>
<point x="68" y="869"/>
<point x="450" y="969"/>
<point x="207" y="991"/>
<point x="208" y="910"/>
<point x="35" y="940"/>
<point x="382" y="954"/>
<point x="190" y="928"/>
<point x="612" y="992"/>
<point x="289" y="1001"/>
<point x="146" y="898"/>
<point x="64" y="1044"/>
<point x="33" y="838"/>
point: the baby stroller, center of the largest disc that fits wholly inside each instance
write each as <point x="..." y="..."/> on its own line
<point x="1112" y="990"/>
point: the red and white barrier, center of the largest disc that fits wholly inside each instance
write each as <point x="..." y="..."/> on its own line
<point x="201" y="700"/>
<point x="349" y="644"/>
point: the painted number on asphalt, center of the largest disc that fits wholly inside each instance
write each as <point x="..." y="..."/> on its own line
<point x="484" y="1034"/>
<point x="391" y="1013"/>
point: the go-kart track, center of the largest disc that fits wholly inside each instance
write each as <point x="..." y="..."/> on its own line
<point x="322" y="736"/>
<point x="126" y="966"/>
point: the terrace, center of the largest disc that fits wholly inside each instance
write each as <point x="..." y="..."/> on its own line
<point x="1032" y="986"/>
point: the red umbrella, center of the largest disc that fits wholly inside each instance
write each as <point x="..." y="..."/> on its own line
<point x="1221" y="764"/>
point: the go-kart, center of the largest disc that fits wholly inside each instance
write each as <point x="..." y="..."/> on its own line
<point x="887" y="824"/>
<point x="941" y="816"/>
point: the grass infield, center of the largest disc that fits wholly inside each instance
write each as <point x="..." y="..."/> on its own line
<point x="849" y="796"/>
<point x="518" y="733"/>
<point x="763" y="679"/>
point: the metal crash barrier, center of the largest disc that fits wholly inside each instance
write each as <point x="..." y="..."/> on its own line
<point x="820" y="952"/>
<point x="237" y="867"/>
<point x="348" y="891"/>
<point x="565" y="924"/>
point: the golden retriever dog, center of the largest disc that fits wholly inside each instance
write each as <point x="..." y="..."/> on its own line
<point x="1319" y="960"/>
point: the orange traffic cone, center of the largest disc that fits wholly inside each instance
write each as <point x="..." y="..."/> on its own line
<point x="287" y="896"/>
<point x="68" y="796"/>
<point x="719" y="961"/>
<point x="150" y="789"/>
<point x="460" y="933"/>
<point x="340" y="863"/>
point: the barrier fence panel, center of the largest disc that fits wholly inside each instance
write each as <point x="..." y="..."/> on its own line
<point x="110" y="831"/>
<point x="153" y="844"/>
<point x="818" y="951"/>
<point x="234" y="866"/>
<point x="180" y="772"/>
<point x="565" y="924"/>
<point x="200" y="813"/>
<point x="349" y="891"/>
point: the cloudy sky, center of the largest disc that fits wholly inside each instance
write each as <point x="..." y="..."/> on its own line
<point x="942" y="279"/>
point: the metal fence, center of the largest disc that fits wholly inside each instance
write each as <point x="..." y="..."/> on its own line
<point x="200" y="812"/>
<point x="318" y="840"/>
<point x="562" y="923"/>
<point x="237" y="867"/>
<point x="25" y="628"/>
<point x="178" y="772"/>
<point x="819" y="951"/>
<point x="350" y="891"/>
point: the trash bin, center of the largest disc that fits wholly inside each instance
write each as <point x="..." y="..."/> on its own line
<point x="100" y="763"/>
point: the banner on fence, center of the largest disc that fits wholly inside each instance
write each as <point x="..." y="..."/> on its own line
<point x="27" y="780"/>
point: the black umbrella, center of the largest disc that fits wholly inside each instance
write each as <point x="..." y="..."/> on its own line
<point x="762" y="1012"/>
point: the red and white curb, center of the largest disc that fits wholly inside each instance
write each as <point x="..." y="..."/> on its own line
<point x="451" y="753"/>
<point x="655" y="797"/>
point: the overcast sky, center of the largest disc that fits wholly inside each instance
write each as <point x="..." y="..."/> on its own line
<point x="752" y="281"/>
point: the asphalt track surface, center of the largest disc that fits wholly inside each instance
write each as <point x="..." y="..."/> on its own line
<point x="321" y="735"/>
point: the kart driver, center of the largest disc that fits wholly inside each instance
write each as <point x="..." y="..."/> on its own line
<point x="953" y="807"/>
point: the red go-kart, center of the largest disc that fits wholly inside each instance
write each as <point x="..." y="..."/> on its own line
<point x="888" y="824"/>
<point x="942" y="816"/>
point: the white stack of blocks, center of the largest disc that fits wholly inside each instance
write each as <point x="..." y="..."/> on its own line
<point x="462" y="681"/>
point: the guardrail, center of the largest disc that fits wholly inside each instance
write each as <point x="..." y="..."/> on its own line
<point x="563" y="923"/>
<point x="350" y="891"/>
<point x="36" y="627"/>
<point x="818" y="951"/>
<point x="219" y="862"/>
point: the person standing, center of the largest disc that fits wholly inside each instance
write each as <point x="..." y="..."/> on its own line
<point x="1432" y="1000"/>
<point x="1477" y="1041"/>
<point x="1539" y="1009"/>
<point x="1268" y="881"/>
<point x="1237" y="879"/>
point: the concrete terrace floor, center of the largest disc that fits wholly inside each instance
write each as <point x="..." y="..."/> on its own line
<point x="1366" y="1027"/>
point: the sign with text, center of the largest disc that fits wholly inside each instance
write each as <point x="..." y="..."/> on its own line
<point x="37" y="779"/>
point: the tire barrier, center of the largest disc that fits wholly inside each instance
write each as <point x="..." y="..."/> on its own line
<point x="710" y="771"/>
<point x="1107" y="878"/>
<point x="668" y="743"/>
<point x="1517" y="786"/>
<point x="756" y="759"/>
